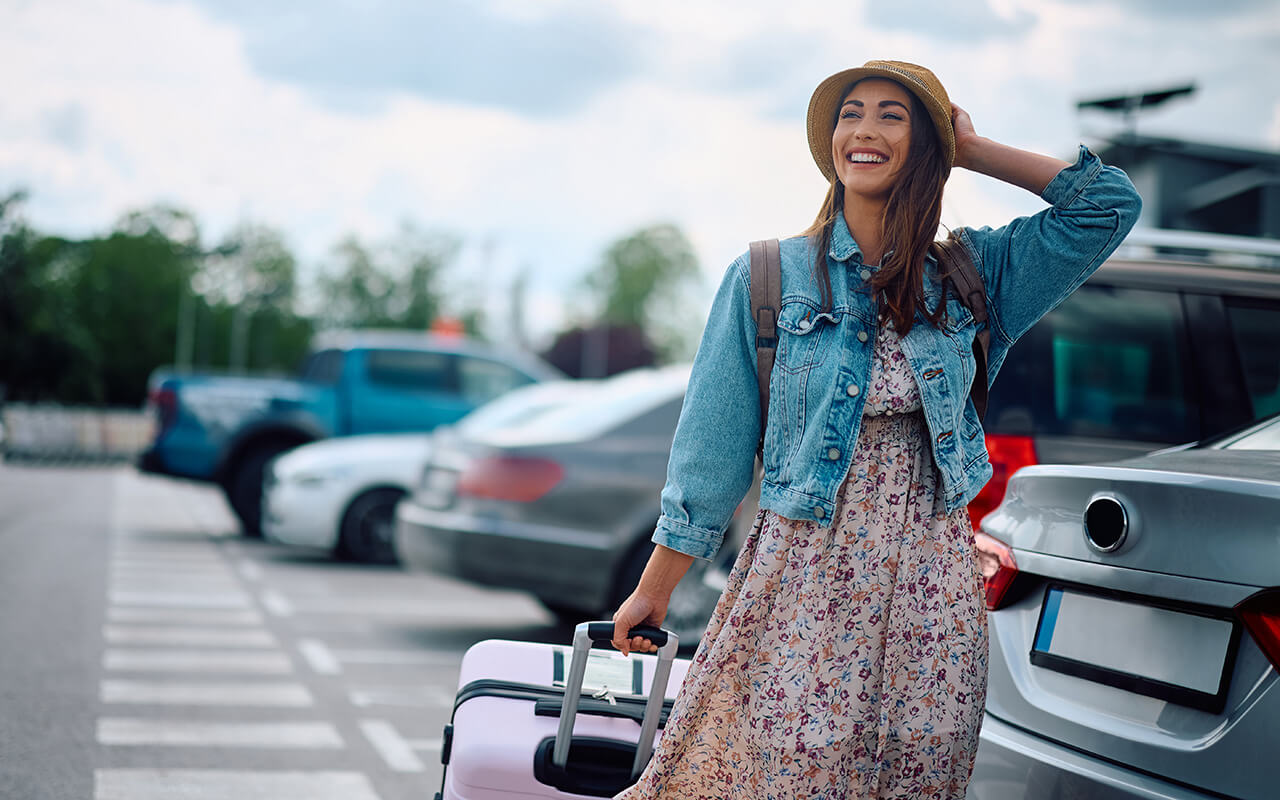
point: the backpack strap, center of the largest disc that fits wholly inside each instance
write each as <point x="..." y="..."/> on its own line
<point x="766" y="300"/>
<point x="957" y="267"/>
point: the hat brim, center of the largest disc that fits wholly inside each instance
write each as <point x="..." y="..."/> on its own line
<point x="829" y="95"/>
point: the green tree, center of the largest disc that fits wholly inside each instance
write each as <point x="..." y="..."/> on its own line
<point x="396" y="285"/>
<point x="646" y="279"/>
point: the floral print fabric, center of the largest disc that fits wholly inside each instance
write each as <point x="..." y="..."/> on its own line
<point x="843" y="662"/>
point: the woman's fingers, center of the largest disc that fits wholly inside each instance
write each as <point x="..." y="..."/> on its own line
<point x="643" y="645"/>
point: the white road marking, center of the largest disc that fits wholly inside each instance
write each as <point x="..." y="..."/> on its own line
<point x="291" y="695"/>
<point x="184" y="616"/>
<point x="182" y="599"/>
<point x="319" y="656"/>
<point x="397" y="657"/>
<point x="427" y="745"/>
<point x="277" y="603"/>
<point x="389" y="744"/>
<point x="412" y="697"/>
<point x="217" y="784"/>
<point x="249" y="570"/>
<point x="230" y="661"/>
<point x="190" y="637"/>
<point x="186" y="733"/>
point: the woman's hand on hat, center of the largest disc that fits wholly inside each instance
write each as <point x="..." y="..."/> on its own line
<point x="965" y="135"/>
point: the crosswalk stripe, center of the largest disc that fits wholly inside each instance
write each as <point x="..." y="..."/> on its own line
<point x="391" y="746"/>
<point x="186" y="733"/>
<point x="319" y="656"/>
<point x="182" y="599"/>
<point x="256" y="694"/>
<point x="209" y="784"/>
<point x="153" y="660"/>
<point x="193" y="637"/>
<point x="184" y="616"/>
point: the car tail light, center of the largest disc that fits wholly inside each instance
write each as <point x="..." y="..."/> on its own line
<point x="513" y="478"/>
<point x="1260" y="614"/>
<point x="164" y="401"/>
<point x="995" y="559"/>
<point x="1008" y="455"/>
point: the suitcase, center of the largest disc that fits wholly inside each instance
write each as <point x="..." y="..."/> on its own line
<point x="534" y="721"/>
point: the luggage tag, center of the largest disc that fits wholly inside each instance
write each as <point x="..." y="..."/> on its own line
<point x="607" y="673"/>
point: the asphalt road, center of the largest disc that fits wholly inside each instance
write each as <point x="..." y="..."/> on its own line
<point x="149" y="651"/>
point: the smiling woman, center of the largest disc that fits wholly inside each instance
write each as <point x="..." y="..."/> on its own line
<point x="847" y="656"/>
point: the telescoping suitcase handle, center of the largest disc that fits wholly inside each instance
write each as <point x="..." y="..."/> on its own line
<point x="583" y="636"/>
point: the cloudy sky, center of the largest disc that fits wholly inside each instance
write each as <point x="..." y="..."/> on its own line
<point x="540" y="130"/>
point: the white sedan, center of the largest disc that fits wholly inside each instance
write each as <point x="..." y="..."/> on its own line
<point x="340" y="494"/>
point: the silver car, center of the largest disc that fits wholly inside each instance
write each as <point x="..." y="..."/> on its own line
<point x="1135" y="630"/>
<point x="561" y="505"/>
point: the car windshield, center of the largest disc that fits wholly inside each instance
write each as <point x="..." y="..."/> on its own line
<point x="1262" y="437"/>
<point x="520" y="405"/>
<point x="609" y="404"/>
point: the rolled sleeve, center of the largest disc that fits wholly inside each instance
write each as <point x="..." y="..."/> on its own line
<point x="687" y="539"/>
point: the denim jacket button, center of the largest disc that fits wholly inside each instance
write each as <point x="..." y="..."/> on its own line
<point x="852" y="390"/>
<point x="865" y="274"/>
<point x="862" y="336"/>
<point x="819" y="512"/>
<point x="833" y="454"/>
<point x="804" y="324"/>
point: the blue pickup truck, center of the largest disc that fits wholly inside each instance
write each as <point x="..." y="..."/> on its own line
<point x="224" y="429"/>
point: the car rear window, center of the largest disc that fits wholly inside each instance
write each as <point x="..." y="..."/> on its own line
<point x="1256" y="330"/>
<point x="1108" y="363"/>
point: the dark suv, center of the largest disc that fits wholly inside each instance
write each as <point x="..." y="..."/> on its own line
<point x="1175" y="339"/>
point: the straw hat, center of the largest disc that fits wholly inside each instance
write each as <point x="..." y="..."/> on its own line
<point x="827" y="98"/>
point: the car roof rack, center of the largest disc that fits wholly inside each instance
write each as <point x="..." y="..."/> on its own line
<point x="1161" y="244"/>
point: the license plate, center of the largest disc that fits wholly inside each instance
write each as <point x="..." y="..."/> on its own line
<point x="1161" y="652"/>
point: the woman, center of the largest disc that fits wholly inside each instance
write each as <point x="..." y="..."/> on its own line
<point x="847" y="656"/>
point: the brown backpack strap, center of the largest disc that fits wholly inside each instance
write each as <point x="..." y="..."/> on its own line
<point x="957" y="267"/>
<point x="766" y="300"/>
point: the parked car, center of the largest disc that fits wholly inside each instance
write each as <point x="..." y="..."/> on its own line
<point x="1135" y="627"/>
<point x="225" y="429"/>
<point x="562" y="505"/>
<point x="1173" y="340"/>
<point x="340" y="494"/>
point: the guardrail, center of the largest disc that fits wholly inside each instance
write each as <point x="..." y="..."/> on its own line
<point x="66" y="433"/>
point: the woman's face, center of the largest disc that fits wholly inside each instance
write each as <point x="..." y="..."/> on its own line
<point x="872" y="137"/>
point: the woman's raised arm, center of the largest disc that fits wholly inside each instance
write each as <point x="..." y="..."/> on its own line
<point x="1031" y="171"/>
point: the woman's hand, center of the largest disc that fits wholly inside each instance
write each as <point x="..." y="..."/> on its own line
<point x="640" y="608"/>
<point x="1031" y="171"/>
<point x="965" y="135"/>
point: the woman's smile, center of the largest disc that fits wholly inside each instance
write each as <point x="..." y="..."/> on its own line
<point x="872" y="137"/>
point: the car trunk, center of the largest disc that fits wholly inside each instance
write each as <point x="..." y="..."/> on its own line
<point x="1135" y="655"/>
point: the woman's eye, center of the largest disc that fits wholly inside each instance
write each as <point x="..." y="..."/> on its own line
<point x="849" y="115"/>
<point x="893" y="116"/>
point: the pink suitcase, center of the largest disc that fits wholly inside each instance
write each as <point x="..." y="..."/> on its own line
<point x="535" y="721"/>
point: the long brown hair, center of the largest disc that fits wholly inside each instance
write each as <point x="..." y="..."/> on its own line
<point x="910" y="223"/>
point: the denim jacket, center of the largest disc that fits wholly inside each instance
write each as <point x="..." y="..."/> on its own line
<point x="823" y="361"/>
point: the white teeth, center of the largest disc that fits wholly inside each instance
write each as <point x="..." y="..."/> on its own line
<point x="867" y="158"/>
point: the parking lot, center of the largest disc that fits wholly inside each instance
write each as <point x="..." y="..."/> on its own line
<point x="149" y="646"/>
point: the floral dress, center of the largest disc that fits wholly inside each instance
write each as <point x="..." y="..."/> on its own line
<point x="843" y="662"/>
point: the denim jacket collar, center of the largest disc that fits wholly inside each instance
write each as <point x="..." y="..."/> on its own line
<point x="843" y="246"/>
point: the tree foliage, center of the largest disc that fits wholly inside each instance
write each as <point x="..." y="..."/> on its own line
<point x="644" y="284"/>
<point x="87" y="321"/>
<point x="395" y="285"/>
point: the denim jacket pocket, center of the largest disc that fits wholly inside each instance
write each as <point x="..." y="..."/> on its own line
<point x="803" y="329"/>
